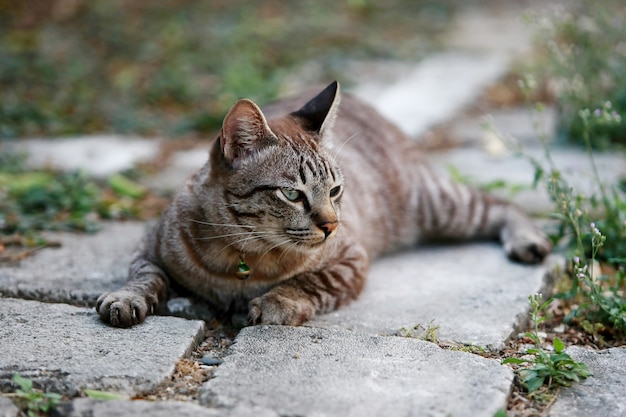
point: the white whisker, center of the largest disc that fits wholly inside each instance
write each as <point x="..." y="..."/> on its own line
<point x="245" y="240"/>
<point x="344" y="144"/>
<point x="252" y="232"/>
<point x="220" y="224"/>
<point x="289" y="248"/>
<point x="274" y="247"/>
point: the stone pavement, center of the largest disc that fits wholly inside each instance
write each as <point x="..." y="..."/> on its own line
<point x="353" y="362"/>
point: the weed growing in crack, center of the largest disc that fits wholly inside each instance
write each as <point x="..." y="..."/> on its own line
<point x="428" y="333"/>
<point x="594" y="227"/>
<point x="601" y="305"/>
<point x="545" y="367"/>
<point x="32" y="400"/>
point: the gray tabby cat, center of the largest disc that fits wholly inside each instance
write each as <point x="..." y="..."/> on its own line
<point x="288" y="212"/>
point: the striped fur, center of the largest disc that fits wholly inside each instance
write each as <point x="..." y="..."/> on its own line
<point x="360" y="189"/>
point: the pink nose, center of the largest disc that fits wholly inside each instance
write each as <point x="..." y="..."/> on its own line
<point x="328" y="227"/>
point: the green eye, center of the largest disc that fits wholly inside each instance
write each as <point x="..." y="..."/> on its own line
<point x="334" y="192"/>
<point x="291" y="194"/>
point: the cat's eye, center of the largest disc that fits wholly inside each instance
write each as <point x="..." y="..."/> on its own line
<point x="291" y="194"/>
<point x="335" y="191"/>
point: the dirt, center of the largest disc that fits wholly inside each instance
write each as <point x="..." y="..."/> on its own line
<point x="190" y="373"/>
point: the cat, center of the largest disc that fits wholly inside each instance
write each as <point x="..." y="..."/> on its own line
<point x="291" y="207"/>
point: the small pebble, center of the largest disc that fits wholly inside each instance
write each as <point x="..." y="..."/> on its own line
<point x="209" y="361"/>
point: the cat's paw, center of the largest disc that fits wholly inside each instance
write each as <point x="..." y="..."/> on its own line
<point x="276" y="308"/>
<point x="529" y="246"/>
<point x="125" y="308"/>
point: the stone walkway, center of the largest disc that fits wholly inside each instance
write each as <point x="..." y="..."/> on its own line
<point x="348" y="363"/>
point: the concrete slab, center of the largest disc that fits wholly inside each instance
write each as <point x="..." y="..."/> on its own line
<point x="599" y="395"/>
<point x="517" y="122"/>
<point x="479" y="167"/>
<point x="124" y="408"/>
<point x="65" y="349"/>
<point x="7" y="409"/>
<point x="322" y="372"/>
<point x="472" y="292"/>
<point x="181" y="165"/>
<point x="437" y="88"/>
<point x="79" y="271"/>
<point x="97" y="155"/>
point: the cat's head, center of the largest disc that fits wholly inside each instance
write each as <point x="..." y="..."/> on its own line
<point x="278" y="177"/>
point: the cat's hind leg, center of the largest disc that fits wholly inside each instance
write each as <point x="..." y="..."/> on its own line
<point x="449" y="210"/>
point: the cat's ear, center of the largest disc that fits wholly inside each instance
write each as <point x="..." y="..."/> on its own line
<point x="244" y="132"/>
<point x="318" y="115"/>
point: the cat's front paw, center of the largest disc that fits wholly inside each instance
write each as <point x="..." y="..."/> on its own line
<point x="277" y="308"/>
<point x="125" y="308"/>
<point x="529" y="246"/>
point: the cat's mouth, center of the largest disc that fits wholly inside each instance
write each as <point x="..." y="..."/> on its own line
<point x="317" y="240"/>
<point x="308" y="238"/>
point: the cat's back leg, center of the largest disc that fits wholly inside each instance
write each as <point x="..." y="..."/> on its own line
<point x="449" y="210"/>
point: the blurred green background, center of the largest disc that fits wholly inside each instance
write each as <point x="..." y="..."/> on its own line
<point x="174" y="67"/>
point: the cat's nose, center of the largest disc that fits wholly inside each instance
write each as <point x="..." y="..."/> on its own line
<point x="328" y="227"/>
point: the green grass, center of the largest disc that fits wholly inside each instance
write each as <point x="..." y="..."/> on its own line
<point x="174" y="67"/>
<point x="590" y="228"/>
<point x="35" y="402"/>
<point x="36" y="201"/>
<point x="582" y="53"/>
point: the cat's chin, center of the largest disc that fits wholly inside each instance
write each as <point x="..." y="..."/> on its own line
<point x="306" y="246"/>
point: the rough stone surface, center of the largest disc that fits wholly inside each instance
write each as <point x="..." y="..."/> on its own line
<point x="480" y="167"/>
<point x="472" y="292"/>
<point x="79" y="271"/>
<point x="99" y="155"/>
<point x="93" y="408"/>
<point x="7" y="409"/>
<point x="603" y="394"/>
<point x="322" y="372"/>
<point x="65" y="349"/>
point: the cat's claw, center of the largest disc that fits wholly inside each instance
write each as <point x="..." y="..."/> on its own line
<point x="530" y="247"/>
<point x="125" y="308"/>
<point x="273" y="308"/>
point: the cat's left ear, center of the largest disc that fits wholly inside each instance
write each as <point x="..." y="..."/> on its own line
<point x="318" y="115"/>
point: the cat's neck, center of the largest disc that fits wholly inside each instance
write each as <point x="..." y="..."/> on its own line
<point x="223" y="251"/>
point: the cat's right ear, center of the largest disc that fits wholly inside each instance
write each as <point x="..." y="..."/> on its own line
<point x="244" y="132"/>
<point x="318" y="115"/>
